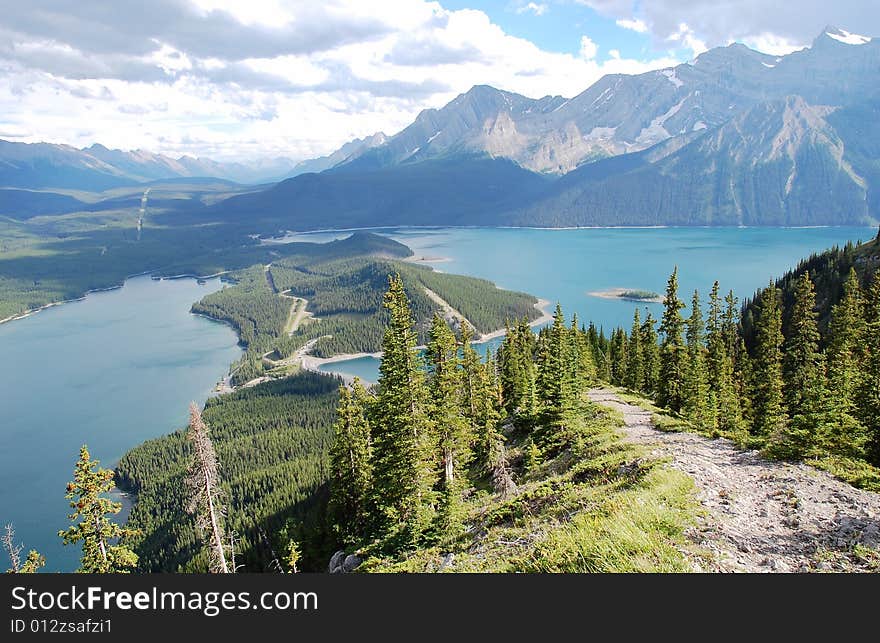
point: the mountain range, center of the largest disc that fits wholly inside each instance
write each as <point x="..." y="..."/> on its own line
<point x="97" y="168"/>
<point x="736" y="137"/>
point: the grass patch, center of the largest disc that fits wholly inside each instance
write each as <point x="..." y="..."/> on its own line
<point x="639" y="529"/>
<point x="598" y="504"/>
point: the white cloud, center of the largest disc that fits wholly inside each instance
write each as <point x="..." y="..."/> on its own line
<point x="635" y="24"/>
<point x="614" y="53"/>
<point x="532" y="7"/>
<point x="686" y="37"/>
<point x="190" y="93"/>
<point x="588" y="48"/>
<point x="771" y="44"/>
<point x="716" y="23"/>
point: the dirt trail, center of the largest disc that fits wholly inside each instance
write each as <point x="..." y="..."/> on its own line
<point x="763" y="516"/>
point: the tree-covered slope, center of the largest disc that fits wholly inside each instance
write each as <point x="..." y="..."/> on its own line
<point x="271" y="441"/>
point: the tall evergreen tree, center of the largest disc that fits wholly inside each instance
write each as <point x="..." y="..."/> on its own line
<point x="869" y="386"/>
<point x="618" y="358"/>
<point x="91" y="525"/>
<point x="351" y="466"/>
<point x="846" y="334"/>
<point x="724" y="414"/>
<point x="673" y="356"/>
<point x="695" y="380"/>
<point x="651" y="352"/>
<point x="804" y="378"/>
<point x="554" y="385"/>
<point x="635" y="359"/>
<point x="402" y="442"/>
<point x="453" y="430"/>
<point x="518" y="373"/>
<point x="769" y="409"/>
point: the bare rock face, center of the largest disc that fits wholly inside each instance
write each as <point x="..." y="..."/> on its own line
<point x="620" y="114"/>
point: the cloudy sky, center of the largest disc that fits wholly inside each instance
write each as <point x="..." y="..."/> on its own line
<point x="297" y="78"/>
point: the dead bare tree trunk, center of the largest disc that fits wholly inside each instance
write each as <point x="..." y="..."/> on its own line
<point x="204" y="487"/>
<point x="12" y="551"/>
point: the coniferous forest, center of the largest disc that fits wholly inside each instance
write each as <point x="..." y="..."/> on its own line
<point x="502" y="462"/>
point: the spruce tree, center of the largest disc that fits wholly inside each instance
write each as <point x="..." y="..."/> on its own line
<point x="769" y="409"/>
<point x="488" y="441"/>
<point x="454" y="434"/>
<point x="673" y="362"/>
<point x="635" y="359"/>
<point x="869" y="386"/>
<point x="804" y="379"/>
<point x="617" y="357"/>
<point x="402" y="442"/>
<point x="724" y="415"/>
<point x="695" y="387"/>
<point x="91" y="525"/>
<point x="651" y="352"/>
<point x="554" y="385"/>
<point x="846" y="334"/>
<point x="351" y="466"/>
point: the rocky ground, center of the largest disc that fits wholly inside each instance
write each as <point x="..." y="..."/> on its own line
<point x="759" y="515"/>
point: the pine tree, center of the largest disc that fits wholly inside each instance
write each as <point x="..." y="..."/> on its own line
<point x="635" y="359"/>
<point x="402" y="442"/>
<point x="583" y="370"/>
<point x="482" y="405"/>
<point x="454" y="432"/>
<point x="617" y="357"/>
<point x="673" y="362"/>
<point x="869" y="386"/>
<point x="205" y="495"/>
<point x="804" y="378"/>
<point x="695" y="387"/>
<point x="846" y="334"/>
<point x="723" y="415"/>
<point x="651" y="352"/>
<point x="769" y="410"/>
<point x="91" y="526"/>
<point x="351" y="466"/>
<point x="32" y="563"/>
<point x="554" y="385"/>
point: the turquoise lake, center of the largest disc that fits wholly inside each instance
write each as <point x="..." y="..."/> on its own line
<point x="122" y="366"/>
<point x="565" y="265"/>
<point x="110" y="371"/>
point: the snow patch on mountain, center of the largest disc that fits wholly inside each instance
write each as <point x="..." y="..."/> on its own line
<point x="671" y="77"/>
<point x="847" y="38"/>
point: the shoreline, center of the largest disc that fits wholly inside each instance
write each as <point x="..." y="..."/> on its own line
<point x="616" y="294"/>
<point x="427" y="259"/>
<point x="311" y="363"/>
<point x="34" y="311"/>
<point x="608" y="227"/>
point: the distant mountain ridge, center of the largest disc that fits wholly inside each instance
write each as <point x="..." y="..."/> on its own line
<point x="736" y="137"/>
<point x="97" y="168"/>
<point x="621" y="114"/>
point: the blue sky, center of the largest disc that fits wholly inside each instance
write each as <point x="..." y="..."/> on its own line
<point x="559" y="26"/>
<point x="298" y="78"/>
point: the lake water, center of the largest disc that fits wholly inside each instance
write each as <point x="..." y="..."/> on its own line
<point x="110" y="371"/>
<point x="122" y="366"/>
<point x="564" y="265"/>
